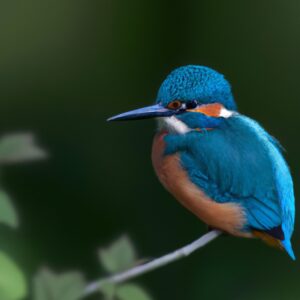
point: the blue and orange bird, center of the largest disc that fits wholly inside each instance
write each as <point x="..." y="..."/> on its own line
<point x="221" y="165"/>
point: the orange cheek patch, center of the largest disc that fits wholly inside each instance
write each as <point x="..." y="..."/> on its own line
<point x="211" y="110"/>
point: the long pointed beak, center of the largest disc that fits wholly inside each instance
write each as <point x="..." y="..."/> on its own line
<point x="153" y="111"/>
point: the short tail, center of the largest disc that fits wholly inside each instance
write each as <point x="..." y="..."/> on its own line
<point x="288" y="248"/>
<point x="277" y="243"/>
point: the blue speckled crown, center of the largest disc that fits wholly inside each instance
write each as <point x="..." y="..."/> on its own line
<point x="196" y="83"/>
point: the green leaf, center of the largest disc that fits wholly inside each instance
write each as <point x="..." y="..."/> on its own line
<point x="119" y="256"/>
<point x="50" y="286"/>
<point x="12" y="282"/>
<point x="108" y="290"/>
<point x="8" y="214"/>
<point x="20" y="147"/>
<point x="131" y="292"/>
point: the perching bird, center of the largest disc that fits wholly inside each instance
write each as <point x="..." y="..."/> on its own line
<point x="221" y="165"/>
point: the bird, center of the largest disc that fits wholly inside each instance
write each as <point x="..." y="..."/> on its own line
<point x="218" y="163"/>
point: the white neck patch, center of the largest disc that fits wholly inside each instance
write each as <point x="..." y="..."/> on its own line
<point x="173" y="125"/>
<point x="225" y="113"/>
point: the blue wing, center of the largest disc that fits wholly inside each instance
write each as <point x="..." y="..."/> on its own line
<point x="240" y="162"/>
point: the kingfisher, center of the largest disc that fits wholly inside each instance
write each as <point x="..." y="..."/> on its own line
<point x="218" y="163"/>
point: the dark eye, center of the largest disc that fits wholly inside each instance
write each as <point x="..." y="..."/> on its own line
<point x="175" y="104"/>
<point x="191" y="104"/>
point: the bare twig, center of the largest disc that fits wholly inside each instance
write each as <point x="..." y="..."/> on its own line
<point x="154" y="264"/>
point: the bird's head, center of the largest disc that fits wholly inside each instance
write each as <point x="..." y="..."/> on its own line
<point x="190" y="97"/>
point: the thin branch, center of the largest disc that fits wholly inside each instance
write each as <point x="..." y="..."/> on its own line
<point x="154" y="264"/>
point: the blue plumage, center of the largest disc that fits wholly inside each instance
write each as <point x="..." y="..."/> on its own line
<point x="239" y="162"/>
<point x="197" y="83"/>
<point x="227" y="156"/>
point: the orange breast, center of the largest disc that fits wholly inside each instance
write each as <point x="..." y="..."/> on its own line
<point x="228" y="217"/>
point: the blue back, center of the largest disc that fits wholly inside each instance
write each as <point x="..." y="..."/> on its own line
<point x="240" y="162"/>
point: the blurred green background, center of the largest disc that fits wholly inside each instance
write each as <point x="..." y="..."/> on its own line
<point x="65" y="66"/>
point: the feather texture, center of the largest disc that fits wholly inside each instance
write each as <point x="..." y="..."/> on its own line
<point x="239" y="162"/>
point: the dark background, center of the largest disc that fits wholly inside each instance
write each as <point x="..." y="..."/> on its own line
<point x="65" y="66"/>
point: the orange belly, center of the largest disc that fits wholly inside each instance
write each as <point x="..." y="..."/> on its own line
<point x="228" y="217"/>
